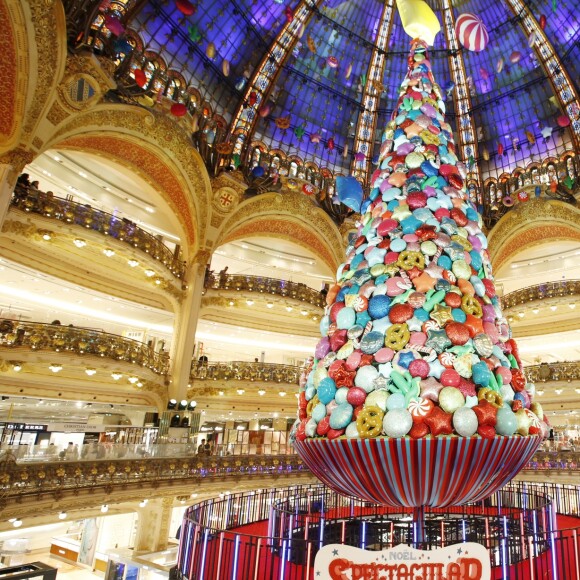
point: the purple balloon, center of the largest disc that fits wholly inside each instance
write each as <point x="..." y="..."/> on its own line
<point x="322" y="348"/>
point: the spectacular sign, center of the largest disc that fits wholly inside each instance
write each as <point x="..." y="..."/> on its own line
<point x="468" y="561"/>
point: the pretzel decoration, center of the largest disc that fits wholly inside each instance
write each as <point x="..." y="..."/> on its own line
<point x="369" y="422"/>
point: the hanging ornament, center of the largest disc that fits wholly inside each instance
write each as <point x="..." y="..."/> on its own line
<point x="226" y="68"/>
<point x="523" y="196"/>
<point x="289" y="13"/>
<point x="484" y="74"/>
<point x="345" y="151"/>
<point x="299" y="132"/>
<point x="315" y="138"/>
<point x="193" y="33"/>
<point x="114" y="25"/>
<point x="178" y="109"/>
<point x="330" y="144"/>
<point x="471" y="32"/>
<point x="530" y="136"/>
<point x="543" y="21"/>
<point x="485" y="154"/>
<point x="359" y="157"/>
<point x="546" y="132"/>
<point x="210" y="51"/>
<point x="515" y="56"/>
<point x="500" y="149"/>
<point x="265" y="109"/>
<point x="310" y="43"/>
<point x="185" y="7"/>
<point x="140" y="77"/>
<point x="283" y="122"/>
<point x="332" y="62"/>
<point x="349" y="191"/>
<point x="563" y="121"/>
<point x="499" y="64"/>
<point x="348" y="71"/>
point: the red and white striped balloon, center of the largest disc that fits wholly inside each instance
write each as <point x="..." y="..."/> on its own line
<point x="471" y="32"/>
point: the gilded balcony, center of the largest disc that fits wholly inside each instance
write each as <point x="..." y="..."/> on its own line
<point x="40" y="360"/>
<point x="84" y="216"/>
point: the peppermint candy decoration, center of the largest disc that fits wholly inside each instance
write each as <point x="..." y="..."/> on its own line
<point x="446" y="359"/>
<point x="471" y="32"/>
<point x="420" y="408"/>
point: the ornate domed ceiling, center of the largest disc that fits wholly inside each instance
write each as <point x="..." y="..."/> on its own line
<point x="318" y="79"/>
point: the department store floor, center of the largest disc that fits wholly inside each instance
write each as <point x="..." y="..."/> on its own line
<point x="66" y="570"/>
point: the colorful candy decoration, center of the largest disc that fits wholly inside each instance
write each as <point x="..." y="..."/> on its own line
<point x="348" y="70"/>
<point x="114" y="25"/>
<point x="359" y="157"/>
<point x="186" y="7"/>
<point x="499" y="64"/>
<point x="515" y="56"/>
<point x="140" y="77"/>
<point x="226" y="68"/>
<point x="563" y="121"/>
<point x="299" y="131"/>
<point x="194" y="33"/>
<point x="523" y="196"/>
<point x="311" y="44"/>
<point x="471" y="32"/>
<point x="500" y="149"/>
<point x="546" y="132"/>
<point x="210" y="50"/>
<point x="283" y="122"/>
<point x="349" y="191"/>
<point x="315" y="138"/>
<point x="530" y="137"/>
<point x="330" y="144"/>
<point x="332" y="62"/>
<point x="289" y="13"/>
<point x="414" y="342"/>
<point x="543" y="21"/>
<point x="178" y="109"/>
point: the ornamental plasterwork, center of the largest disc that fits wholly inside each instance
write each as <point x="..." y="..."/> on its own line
<point x="158" y="130"/>
<point x="50" y="38"/>
<point x="299" y="216"/>
<point x="532" y="223"/>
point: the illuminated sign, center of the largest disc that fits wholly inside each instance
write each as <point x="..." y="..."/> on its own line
<point x="467" y="561"/>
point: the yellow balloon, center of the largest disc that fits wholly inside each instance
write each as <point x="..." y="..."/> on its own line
<point x="419" y="21"/>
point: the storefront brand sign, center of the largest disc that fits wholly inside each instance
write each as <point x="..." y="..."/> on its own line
<point x="468" y="561"/>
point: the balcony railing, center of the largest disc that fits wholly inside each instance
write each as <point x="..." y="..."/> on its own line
<point x="561" y="371"/>
<point x="82" y="341"/>
<point x="88" y="217"/>
<point x="21" y="480"/>
<point x="558" y="289"/>
<point x="245" y="371"/>
<point x="264" y="285"/>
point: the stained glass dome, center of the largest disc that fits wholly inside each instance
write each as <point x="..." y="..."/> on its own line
<point x="313" y="82"/>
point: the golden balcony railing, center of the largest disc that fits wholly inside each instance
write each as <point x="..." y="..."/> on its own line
<point x="83" y="341"/>
<point x="245" y="371"/>
<point x="21" y="481"/>
<point x="264" y="285"/>
<point x="85" y="216"/>
<point x="560" y="371"/>
<point x="560" y="289"/>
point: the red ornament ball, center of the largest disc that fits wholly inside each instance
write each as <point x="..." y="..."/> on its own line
<point x="419" y="368"/>
<point x="356" y="396"/>
<point x="450" y="378"/>
<point x="400" y="313"/>
<point x="458" y="333"/>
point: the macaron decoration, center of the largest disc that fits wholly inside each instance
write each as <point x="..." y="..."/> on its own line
<point x="414" y="342"/>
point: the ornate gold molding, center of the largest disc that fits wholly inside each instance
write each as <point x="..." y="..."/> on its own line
<point x="535" y="222"/>
<point x="290" y="216"/>
<point x="161" y="139"/>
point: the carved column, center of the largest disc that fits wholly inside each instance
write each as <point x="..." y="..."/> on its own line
<point x="185" y="327"/>
<point x="11" y="166"/>
<point x="153" y="526"/>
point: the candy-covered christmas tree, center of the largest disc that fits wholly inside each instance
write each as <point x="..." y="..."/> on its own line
<point x="416" y="394"/>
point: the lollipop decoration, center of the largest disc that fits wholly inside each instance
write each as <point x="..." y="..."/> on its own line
<point x="416" y="396"/>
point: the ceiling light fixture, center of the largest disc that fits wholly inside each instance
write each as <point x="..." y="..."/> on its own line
<point x="55" y="368"/>
<point x="116" y="375"/>
<point x="270" y="305"/>
<point x="62" y="516"/>
<point x="535" y="310"/>
<point x="46" y="236"/>
<point x="261" y="392"/>
<point x="559" y="391"/>
<point x="17" y="523"/>
<point x="133" y="380"/>
<point x="249" y="302"/>
<point x="282" y="393"/>
<point x="554" y="308"/>
<point x="241" y="391"/>
<point x="104" y="508"/>
<point x="231" y="302"/>
<point x="289" y="308"/>
<point x="158" y="281"/>
<point x="149" y="273"/>
<point x="16" y="367"/>
<point x="108" y="252"/>
<point x="132" y="262"/>
<point x="79" y="243"/>
<point x="91" y="372"/>
<point x="572" y="305"/>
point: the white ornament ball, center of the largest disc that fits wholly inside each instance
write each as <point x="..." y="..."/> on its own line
<point x="365" y="376"/>
<point x="397" y="423"/>
<point x="351" y="431"/>
<point x="378" y="399"/>
<point x="465" y="422"/>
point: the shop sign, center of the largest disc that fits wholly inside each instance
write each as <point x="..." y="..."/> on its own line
<point x="467" y="561"/>
<point x="25" y="427"/>
<point x="75" y="428"/>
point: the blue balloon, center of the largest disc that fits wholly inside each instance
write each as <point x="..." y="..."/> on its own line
<point x="349" y="191"/>
<point x="258" y="171"/>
